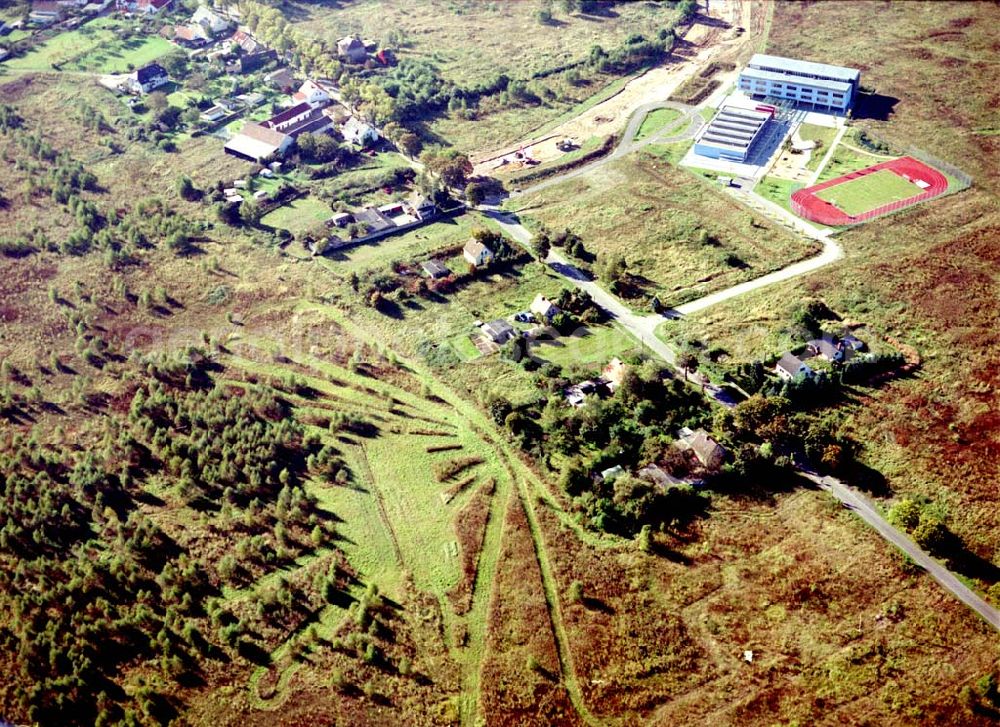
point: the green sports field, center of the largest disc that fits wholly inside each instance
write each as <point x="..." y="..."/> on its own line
<point x="868" y="192"/>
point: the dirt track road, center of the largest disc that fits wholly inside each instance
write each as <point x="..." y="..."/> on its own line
<point x="701" y="43"/>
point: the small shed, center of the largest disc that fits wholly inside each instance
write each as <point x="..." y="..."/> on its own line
<point x="434" y="269"/>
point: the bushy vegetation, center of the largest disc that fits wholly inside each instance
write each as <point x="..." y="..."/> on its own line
<point x="94" y="587"/>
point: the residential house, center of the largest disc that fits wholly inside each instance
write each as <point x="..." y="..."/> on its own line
<point x="544" y="308"/>
<point x="499" y="331"/>
<point x="213" y="114"/>
<point x="828" y="348"/>
<point x="612" y="473"/>
<point x="789" y="366"/>
<point x="853" y="343"/>
<point x="299" y="119"/>
<point x="356" y="131"/>
<point x="45" y="13"/>
<point x="476" y="253"/>
<point x="250" y="100"/>
<point x="311" y="93"/>
<point x="373" y="220"/>
<point x="282" y="79"/>
<point x="213" y="23"/>
<point x="191" y="35"/>
<point x="576" y="395"/>
<point x="148" y="79"/>
<point x="658" y="476"/>
<point x="256" y="143"/>
<point x="341" y="219"/>
<point x="147" y="7"/>
<point x="352" y="49"/>
<point x="422" y="207"/>
<point x="710" y="453"/>
<point x="250" y="62"/>
<point x="247" y="43"/>
<point x="614" y="373"/>
<point x="435" y="269"/>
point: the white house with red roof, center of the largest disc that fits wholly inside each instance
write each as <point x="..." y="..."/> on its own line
<point x="311" y="93"/>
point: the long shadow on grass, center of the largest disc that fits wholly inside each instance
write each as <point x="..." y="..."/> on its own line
<point x="875" y="106"/>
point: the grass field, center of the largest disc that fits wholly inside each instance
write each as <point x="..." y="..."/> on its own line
<point x="846" y="160"/>
<point x="471" y="41"/>
<point x="823" y="136"/>
<point x="680" y="236"/>
<point x="656" y="121"/>
<point x="95" y="47"/>
<point x="446" y="232"/>
<point x="587" y="346"/>
<point x="860" y="195"/>
<point x="299" y="215"/>
<point x="778" y="190"/>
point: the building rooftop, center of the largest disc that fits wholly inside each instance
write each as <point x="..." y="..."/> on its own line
<point x="790" y="363"/>
<point x="734" y="128"/>
<point x="805" y="68"/>
<point x="780" y="77"/>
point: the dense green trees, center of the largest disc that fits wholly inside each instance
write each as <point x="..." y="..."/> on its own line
<point x="92" y="586"/>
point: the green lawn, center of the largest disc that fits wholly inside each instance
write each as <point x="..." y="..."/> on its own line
<point x="406" y="246"/>
<point x="844" y="161"/>
<point x="591" y="345"/>
<point x="97" y="47"/>
<point x="656" y="121"/>
<point x="463" y="347"/>
<point x="868" y="192"/>
<point x="299" y="215"/>
<point x="778" y="190"/>
<point x="671" y="153"/>
<point x="823" y="136"/>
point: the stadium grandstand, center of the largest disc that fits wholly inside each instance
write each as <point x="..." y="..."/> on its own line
<point x="732" y="133"/>
<point x="807" y="84"/>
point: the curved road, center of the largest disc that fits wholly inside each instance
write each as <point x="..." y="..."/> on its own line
<point x="628" y="143"/>
<point x="643" y="328"/>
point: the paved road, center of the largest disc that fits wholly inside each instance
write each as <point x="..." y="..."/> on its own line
<point x="863" y="508"/>
<point x="641" y="327"/>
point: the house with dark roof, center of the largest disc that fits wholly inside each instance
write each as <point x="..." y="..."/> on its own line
<point x="282" y="79"/>
<point x="373" y="220"/>
<point x="434" y="269"/>
<point x="789" y="366"/>
<point x="499" y="331"/>
<point x="826" y="347"/>
<point x="352" y="49"/>
<point x="298" y="120"/>
<point x="148" y="78"/>
<point x="250" y="62"/>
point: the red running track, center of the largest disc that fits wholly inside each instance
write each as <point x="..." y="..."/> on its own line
<point x="806" y="204"/>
